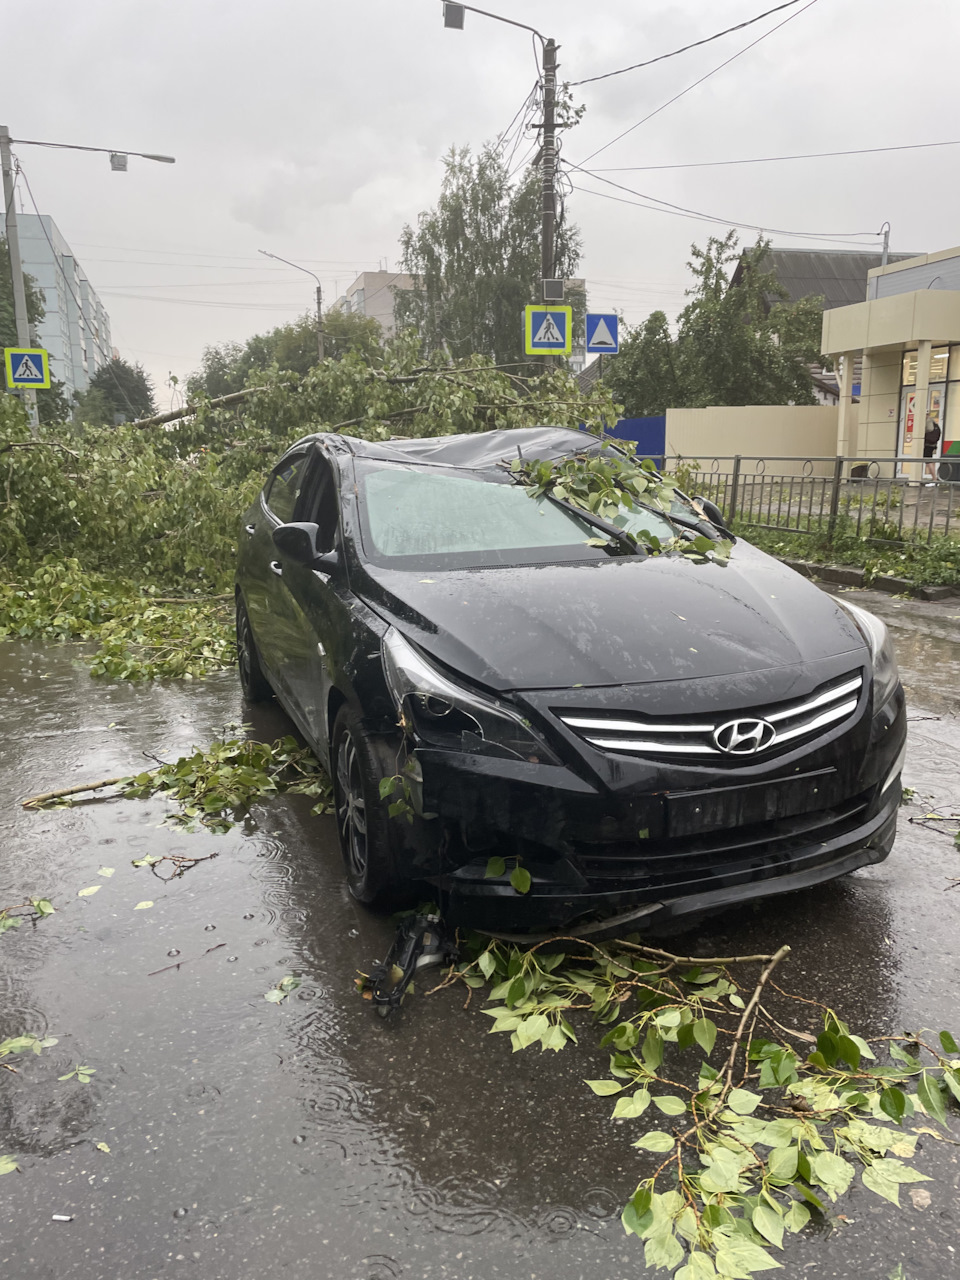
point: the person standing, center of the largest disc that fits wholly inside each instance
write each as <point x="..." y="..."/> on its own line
<point x="931" y="438"/>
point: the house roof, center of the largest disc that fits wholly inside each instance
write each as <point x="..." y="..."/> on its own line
<point x="836" y="275"/>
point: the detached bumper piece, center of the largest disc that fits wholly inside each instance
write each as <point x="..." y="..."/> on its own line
<point x="421" y="942"/>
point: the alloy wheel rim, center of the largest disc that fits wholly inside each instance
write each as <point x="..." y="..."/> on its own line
<point x="244" y="656"/>
<point x="351" y="806"/>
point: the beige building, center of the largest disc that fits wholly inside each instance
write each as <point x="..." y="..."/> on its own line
<point x="372" y="294"/>
<point x="907" y="332"/>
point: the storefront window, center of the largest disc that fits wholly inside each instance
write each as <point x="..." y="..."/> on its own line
<point x="938" y="365"/>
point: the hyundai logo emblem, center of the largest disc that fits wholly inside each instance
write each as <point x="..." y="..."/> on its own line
<point x="744" y="737"/>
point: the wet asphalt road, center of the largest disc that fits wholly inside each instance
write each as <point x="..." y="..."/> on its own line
<point x="312" y="1140"/>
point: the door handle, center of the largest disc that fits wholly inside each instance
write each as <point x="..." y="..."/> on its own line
<point x="249" y="530"/>
<point x="276" y="567"/>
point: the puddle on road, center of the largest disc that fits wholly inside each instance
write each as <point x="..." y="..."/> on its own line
<point x="311" y="1139"/>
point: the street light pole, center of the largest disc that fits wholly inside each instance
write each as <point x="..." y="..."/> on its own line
<point x="118" y="161"/>
<point x="297" y="267"/>
<point x="16" y="267"/>
<point x="453" y="18"/>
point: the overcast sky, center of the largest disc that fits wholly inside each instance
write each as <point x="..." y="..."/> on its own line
<point x="315" y="129"/>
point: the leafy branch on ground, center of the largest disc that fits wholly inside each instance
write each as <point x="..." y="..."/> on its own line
<point x="34" y="909"/>
<point x="8" y="1049"/>
<point x="215" y="786"/>
<point x="770" y="1123"/>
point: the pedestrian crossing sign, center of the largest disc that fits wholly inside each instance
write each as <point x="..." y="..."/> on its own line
<point x="26" y="367"/>
<point x="548" y="329"/>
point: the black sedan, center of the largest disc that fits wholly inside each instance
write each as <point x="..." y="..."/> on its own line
<point x="493" y="687"/>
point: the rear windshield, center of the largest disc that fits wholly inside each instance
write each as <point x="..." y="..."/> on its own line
<point x="414" y="517"/>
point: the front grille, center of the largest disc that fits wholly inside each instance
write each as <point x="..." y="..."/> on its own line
<point x="728" y="736"/>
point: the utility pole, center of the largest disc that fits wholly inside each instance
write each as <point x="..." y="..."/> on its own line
<point x="16" y="268"/>
<point x="549" y="164"/>
<point x="885" y="254"/>
<point x="297" y="267"/>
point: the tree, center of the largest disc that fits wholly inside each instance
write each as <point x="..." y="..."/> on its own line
<point x="51" y="401"/>
<point x="644" y="376"/>
<point x="117" y="390"/>
<point x="735" y="345"/>
<point x="229" y="366"/>
<point x="475" y="260"/>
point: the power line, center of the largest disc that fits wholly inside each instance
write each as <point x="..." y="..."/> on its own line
<point x="839" y="237"/>
<point x="696" y="45"/>
<point x="811" y="155"/>
<point x="677" y="96"/>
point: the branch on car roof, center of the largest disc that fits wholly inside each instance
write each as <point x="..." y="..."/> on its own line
<point x="386" y="417"/>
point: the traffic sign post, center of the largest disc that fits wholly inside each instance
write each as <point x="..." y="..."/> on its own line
<point x="548" y="330"/>
<point x="603" y="337"/>
<point x="26" y="367"/>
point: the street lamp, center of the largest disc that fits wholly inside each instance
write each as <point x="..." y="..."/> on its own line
<point x="297" y="267"/>
<point x="118" y="162"/>
<point x="453" y="17"/>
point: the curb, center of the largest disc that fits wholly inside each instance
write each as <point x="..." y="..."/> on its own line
<point x="849" y="576"/>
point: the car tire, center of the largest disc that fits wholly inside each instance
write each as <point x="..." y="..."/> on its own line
<point x="368" y="840"/>
<point x="253" y="683"/>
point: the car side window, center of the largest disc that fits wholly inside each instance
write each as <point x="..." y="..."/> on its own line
<point x="319" y="503"/>
<point x="284" y="488"/>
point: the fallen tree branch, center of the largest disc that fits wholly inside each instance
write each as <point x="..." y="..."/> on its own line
<point x="34" y="802"/>
<point x="37" y="444"/>
<point x="220" y="402"/>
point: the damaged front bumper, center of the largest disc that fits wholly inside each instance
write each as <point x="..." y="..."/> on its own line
<point x="601" y="855"/>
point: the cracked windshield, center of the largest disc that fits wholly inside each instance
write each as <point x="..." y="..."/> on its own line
<point x="479" y="643"/>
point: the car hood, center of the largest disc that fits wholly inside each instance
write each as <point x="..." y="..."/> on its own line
<point x="612" y="622"/>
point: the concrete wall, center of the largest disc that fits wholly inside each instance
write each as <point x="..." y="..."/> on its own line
<point x="754" y="431"/>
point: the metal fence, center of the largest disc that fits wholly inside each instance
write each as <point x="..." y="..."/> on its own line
<point x="886" y="500"/>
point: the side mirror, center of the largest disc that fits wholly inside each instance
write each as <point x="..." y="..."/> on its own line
<point x="299" y="542"/>
<point x="712" y="512"/>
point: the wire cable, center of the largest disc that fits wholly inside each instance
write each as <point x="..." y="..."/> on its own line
<point x="810" y="155"/>
<point x="838" y="237"/>
<point x="696" y="45"/>
<point x="677" y="96"/>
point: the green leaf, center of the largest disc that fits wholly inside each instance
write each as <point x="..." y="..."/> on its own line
<point x="7" y="1165"/>
<point x="885" y="1176"/>
<point x="832" y="1173"/>
<point x="89" y="892"/>
<point x="655" y="1140"/>
<point x="632" y="1107"/>
<point x="388" y="786"/>
<point x="782" y="1163"/>
<point x="948" y="1043"/>
<point x="931" y="1096"/>
<point x="893" y="1103"/>
<point x="743" y="1101"/>
<point x="143" y="906"/>
<point x="652" y="1051"/>
<point x="738" y="1257"/>
<point x="529" y="1030"/>
<point x="662" y="1248"/>
<point x="797" y="1217"/>
<point x="106" y="872"/>
<point x="43" y="906"/>
<point x="723" y="1170"/>
<point x="670" y="1105"/>
<point x="486" y="964"/>
<point x="705" y="1034"/>
<point x="274" y="996"/>
<point x="769" y="1224"/>
<point x="521" y="879"/>
<point x="102" y="1146"/>
<point x="604" y="1088"/>
<point x="699" y="1267"/>
<point x="495" y="868"/>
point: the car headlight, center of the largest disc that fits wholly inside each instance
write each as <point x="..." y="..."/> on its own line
<point x="885" y="673"/>
<point x="445" y="714"/>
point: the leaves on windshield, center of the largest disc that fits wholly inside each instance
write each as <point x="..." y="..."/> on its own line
<point x="608" y="483"/>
